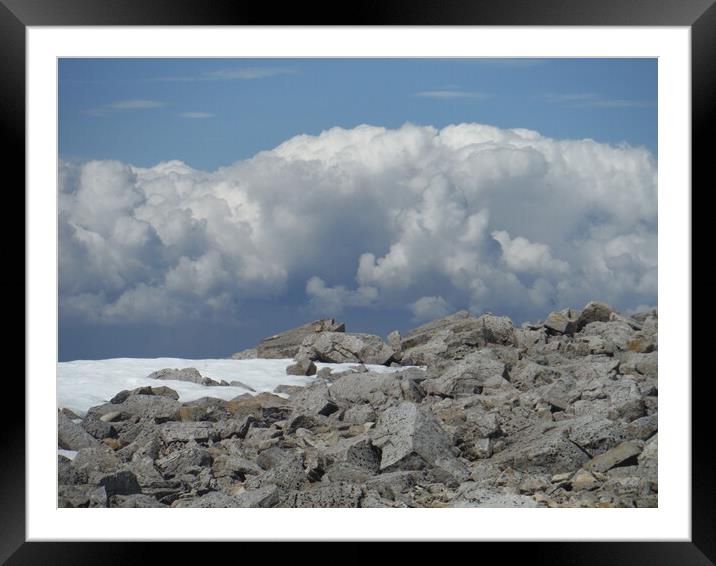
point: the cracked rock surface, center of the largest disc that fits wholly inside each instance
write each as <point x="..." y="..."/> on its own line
<point x="557" y="413"/>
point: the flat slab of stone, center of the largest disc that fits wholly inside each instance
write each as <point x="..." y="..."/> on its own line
<point x="344" y="347"/>
<point x="619" y="455"/>
<point x="286" y="344"/>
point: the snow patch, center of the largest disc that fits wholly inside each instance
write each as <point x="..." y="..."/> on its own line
<point x="82" y="384"/>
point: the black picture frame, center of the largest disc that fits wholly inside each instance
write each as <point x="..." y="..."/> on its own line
<point x="699" y="15"/>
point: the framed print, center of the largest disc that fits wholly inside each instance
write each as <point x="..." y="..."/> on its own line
<point x="455" y="210"/>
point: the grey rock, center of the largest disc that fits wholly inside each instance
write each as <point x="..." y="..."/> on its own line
<point x="343" y="347"/>
<point x="474" y="496"/>
<point x="623" y="454"/>
<point x="592" y="312"/>
<point x="158" y="408"/>
<point x="467" y="376"/>
<point x="336" y="495"/>
<point x="410" y="437"/>
<point x="120" y="483"/>
<point x="189" y="460"/>
<point x="249" y="354"/>
<point x="98" y="428"/>
<point x="315" y="399"/>
<point x="134" y="501"/>
<point x="373" y="388"/>
<point x="359" y="414"/>
<point x="71" y="435"/>
<point x="559" y="323"/>
<point x="96" y="459"/>
<point x="286" y="344"/>
<point x="191" y="375"/>
<point x="262" y="497"/>
<point x="211" y="500"/>
<point x="199" y="432"/>
<point x="394" y="341"/>
<point x="302" y="367"/>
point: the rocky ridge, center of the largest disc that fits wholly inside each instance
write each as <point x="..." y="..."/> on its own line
<point x="559" y="413"/>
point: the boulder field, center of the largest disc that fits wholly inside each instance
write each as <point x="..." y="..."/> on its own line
<point x="477" y="413"/>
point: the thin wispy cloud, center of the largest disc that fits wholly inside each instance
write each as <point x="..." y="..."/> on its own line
<point x="511" y="62"/>
<point x="450" y="94"/>
<point x="124" y="105"/>
<point x="196" y="115"/>
<point x="235" y="74"/>
<point x="594" y="100"/>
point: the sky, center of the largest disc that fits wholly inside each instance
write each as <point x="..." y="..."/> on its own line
<point x="206" y="203"/>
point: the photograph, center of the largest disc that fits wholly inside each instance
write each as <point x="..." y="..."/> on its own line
<point x="357" y="282"/>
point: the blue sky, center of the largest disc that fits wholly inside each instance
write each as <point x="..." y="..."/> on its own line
<point x="212" y="112"/>
<point x="207" y="203"/>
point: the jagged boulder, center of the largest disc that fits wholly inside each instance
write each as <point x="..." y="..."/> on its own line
<point x="344" y="347"/>
<point x="467" y="376"/>
<point x="410" y="437"/>
<point x="286" y="344"/>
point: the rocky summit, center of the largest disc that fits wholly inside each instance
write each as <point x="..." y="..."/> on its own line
<point x="478" y="413"/>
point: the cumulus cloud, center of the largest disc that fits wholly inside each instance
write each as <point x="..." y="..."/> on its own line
<point x="414" y="218"/>
<point x="429" y="308"/>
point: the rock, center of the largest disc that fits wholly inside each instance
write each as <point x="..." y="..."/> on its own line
<point x="315" y="399"/>
<point x="497" y="330"/>
<point x="111" y="416"/>
<point x="542" y="449"/>
<point x="410" y="437"/>
<point x="467" y="376"/>
<point x="445" y="338"/>
<point x="474" y="496"/>
<point x="120" y="483"/>
<point x="97" y="458"/>
<point x="343" y="347"/>
<point x="394" y="341"/>
<point x="211" y="500"/>
<point x="264" y="408"/>
<point x="593" y="312"/>
<point x="558" y="323"/>
<point x="623" y="454"/>
<point x="483" y="448"/>
<point x="199" y="432"/>
<point x="189" y="460"/>
<point x="262" y="497"/>
<point x="248" y="354"/>
<point x="336" y="495"/>
<point x="373" y="388"/>
<point x="359" y="414"/>
<point x="583" y="480"/>
<point x="69" y="413"/>
<point x="98" y="428"/>
<point x="302" y="367"/>
<point x="71" y="435"/>
<point x="158" y="408"/>
<point x="191" y="375"/>
<point x="134" y="501"/>
<point x="286" y="344"/>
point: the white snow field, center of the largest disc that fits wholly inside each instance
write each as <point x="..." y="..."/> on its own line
<point x="82" y="384"/>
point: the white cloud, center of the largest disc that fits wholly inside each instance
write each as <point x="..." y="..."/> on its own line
<point x="429" y="308"/>
<point x="124" y="105"/>
<point x="595" y="100"/>
<point x="411" y="218"/>
<point x="449" y="94"/>
<point x="332" y="300"/>
<point x="196" y="115"/>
